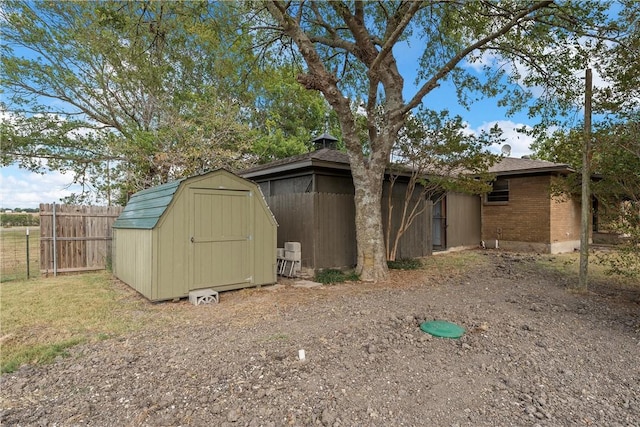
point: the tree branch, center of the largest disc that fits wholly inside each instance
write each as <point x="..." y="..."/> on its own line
<point x="453" y="62"/>
<point x="389" y="42"/>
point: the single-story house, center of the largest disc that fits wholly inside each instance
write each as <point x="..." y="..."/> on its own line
<point x="522" y="214"/>
<point x="312" y="198"/>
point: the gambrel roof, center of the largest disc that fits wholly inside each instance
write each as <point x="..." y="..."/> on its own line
<point x="145" y="207"/>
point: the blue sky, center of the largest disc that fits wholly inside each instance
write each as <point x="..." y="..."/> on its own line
<point x="20" y="188"/>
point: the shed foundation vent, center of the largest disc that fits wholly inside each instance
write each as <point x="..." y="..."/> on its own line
<point x="203" y="296"/>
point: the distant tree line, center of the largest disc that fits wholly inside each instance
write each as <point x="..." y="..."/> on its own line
<point x="25" y="210"/>
<point x="19" y="220"/>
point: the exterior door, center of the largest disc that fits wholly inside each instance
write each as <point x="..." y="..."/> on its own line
<point x="221" y="238"/>
<point x="439" y="221"/>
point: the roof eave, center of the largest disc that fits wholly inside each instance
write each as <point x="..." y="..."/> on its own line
<point x="301" y="164"/>
<point x="276" y="169"/>
<point x="559" y="169"/>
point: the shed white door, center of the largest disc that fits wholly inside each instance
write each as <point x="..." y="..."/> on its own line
<point x="221" y="237"/>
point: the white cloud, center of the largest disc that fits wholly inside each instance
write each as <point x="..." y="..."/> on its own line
<point x="493" y="60"/>
<point x="23" y="189"/>
<point x="520" y="143"/>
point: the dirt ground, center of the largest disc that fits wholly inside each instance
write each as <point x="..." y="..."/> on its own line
<point x="534" y="354"/>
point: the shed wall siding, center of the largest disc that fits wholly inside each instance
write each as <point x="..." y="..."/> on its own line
<point x="133" y="259"/>
<point x="172" y="250"/>
<point x="463" y="220"/>
<point x="264" y="243"/>
<point x="222" y="182"/>
<point x="158" y="262"/>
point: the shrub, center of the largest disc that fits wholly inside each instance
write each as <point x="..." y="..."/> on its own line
<point x="330" y="275"/>
<point x="19" y="220"/>
<point x="405" y="264"/>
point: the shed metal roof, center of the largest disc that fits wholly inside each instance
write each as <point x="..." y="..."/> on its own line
<point x="147" y="206"/>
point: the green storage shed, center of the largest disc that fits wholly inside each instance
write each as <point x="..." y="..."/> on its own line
<point x="208" y="231"/>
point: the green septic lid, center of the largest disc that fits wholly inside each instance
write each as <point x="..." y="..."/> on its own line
<point x="440" y="328"/>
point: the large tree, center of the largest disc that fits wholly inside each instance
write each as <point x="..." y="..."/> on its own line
<point x="350" y="49"/>
<point x="615" y="156"/>
<point x="132" y="94"/>
<point x="285" y="115"/>
<point x="143" y="92"/>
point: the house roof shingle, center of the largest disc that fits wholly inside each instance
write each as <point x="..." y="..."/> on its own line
<point x="339" y="160"/>
<point x="323" y="157"/>
<point x="514" y="165"/>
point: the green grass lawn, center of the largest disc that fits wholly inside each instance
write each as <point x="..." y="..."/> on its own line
<point x="42" y="317"/>
<point x="13" y="253"/>
<point x="568" y="266"/>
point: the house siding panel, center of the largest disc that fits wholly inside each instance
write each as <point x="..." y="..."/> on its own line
<point x="335" y="184"/>
<point x="299" y="184"/>
<point x="335" y="244"/>
<point x="463" y="220"/>
<point x="295" y="216"/>
<point x="416" y="241"/>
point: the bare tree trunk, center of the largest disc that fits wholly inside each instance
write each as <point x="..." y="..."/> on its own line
<point x="372" y="260"/>
<point x="392" y="181"/>
<point x="367" y="170"/>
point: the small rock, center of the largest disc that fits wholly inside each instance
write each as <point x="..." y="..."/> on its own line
<point x="233" y="415"/>
<point x="327" y="417"/>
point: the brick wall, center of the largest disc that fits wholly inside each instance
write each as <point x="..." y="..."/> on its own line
<point x="525" y="218"/>
<point x="565" y="219"/>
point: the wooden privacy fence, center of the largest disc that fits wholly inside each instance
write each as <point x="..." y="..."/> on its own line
<point x="75" y="238"/>
<point x="323" y="223"/>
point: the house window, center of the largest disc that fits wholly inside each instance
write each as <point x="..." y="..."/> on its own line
<point x="500" y="192"/>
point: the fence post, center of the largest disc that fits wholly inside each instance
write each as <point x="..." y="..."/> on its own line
<point x="55" y="243"/>
<point x="27" y="253"/>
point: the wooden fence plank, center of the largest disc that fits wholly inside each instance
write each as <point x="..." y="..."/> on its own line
<point x="82" y="236"/>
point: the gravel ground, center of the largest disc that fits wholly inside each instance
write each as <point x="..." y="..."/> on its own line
<point x="534" y="354"/>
